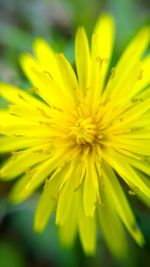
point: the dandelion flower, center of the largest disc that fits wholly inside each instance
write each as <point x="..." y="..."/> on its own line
<point x="82" y="135"/>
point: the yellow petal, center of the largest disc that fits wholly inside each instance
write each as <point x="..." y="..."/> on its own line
<point x="30" y="113"/>
<point x="69" y="80"/>
<point x="125" y="171"/>
<point x="112" y="230"/>
<point x="102" y="46"/>
<point x="34" y="177"/>
<point x="46" y="86"/>
<point x="19" y="97"/>
<point x="82" y="59"/>
<point x="22" y="161"/>
<point x="132" y="145"/>
<point x="12" y="143"/>
<point x="87" y="228"/>
<point x="97" y="74"/>
<point x="68" y="230"/>
<point x="142" y="164"/>
<point x="66" y="196"/>
<point x="47" y="59"/>
<point x="18" y="193"/>
<point x="15" y="126"/>
<point x="132" y="54"/>
<point x="144" y="78"/>
<point x="90" y="190"/>
<point x="47" y="200"/>
<point x="141" y="195"/>
<point x="120" y="203"/>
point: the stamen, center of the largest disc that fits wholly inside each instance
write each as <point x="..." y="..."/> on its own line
<point x="113" y="72"/>
<point x="136" y="100"/>
<point x="48" y="73"/>
<point x="140" y="76"/>
<point x="133" y="191"/>
<point x="135" y="129"/>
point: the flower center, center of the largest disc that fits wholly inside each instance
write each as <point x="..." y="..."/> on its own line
<point x="85" y="131"/>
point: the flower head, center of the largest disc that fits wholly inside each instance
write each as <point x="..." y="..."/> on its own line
<point x="81" y="136"/>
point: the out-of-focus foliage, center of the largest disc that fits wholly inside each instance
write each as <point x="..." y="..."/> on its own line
<point x="20" y="22"/>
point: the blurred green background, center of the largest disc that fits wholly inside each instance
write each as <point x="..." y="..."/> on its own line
<point x="20" y="22"/>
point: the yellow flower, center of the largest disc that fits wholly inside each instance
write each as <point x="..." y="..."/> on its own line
<point x="82" y="136"/>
